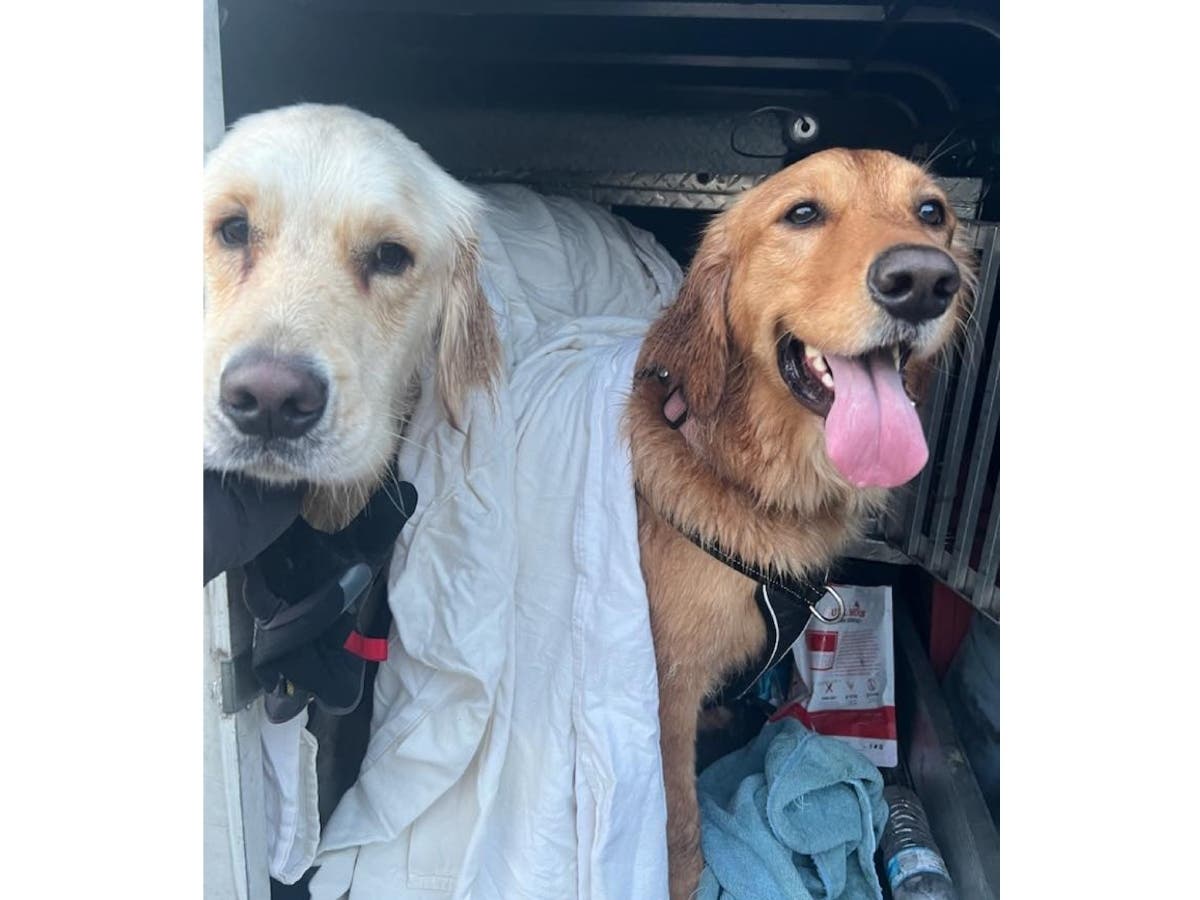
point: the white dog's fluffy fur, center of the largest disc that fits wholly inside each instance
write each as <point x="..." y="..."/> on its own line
<point x="321" y="188"/>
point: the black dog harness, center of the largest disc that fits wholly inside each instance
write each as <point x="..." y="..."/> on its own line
<point x="320" y="607"/>
<point x="785" y="604"/>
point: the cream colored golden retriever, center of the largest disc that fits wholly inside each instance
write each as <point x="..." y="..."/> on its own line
<point x="337" y="258"/>
<point x="812" y="304"/>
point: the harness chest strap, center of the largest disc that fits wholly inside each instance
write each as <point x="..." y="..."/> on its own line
<point x="785" y="605"/>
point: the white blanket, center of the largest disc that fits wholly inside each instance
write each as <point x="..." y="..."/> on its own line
<point x="514" y="744"/>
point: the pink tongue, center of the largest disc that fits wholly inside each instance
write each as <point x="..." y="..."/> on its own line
<point x="872" y="433"/>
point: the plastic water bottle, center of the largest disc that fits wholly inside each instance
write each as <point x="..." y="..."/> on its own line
<point x="915" y="868"/>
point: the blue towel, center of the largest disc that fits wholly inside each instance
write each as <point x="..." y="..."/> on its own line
<point x="792" y="816"/>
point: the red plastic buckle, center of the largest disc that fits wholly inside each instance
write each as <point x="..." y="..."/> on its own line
<point x="370" y="649"/>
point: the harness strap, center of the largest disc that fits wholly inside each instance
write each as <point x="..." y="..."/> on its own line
<point x="320" y="606"/>
<point x="371" y="649"/>
<point x="799" y="590"/>
<point x="785" y="604"/>
<point x="785" y="622"/>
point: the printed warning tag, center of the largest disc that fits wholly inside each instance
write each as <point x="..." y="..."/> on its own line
<point x="843" y="685"/>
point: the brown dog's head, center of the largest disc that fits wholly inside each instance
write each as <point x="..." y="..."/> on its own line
<point x="337" y="256"/>
<point x="819" y="293"/>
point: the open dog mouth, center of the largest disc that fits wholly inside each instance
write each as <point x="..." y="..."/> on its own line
<point x="872" y="433"/>
<point x="806" y="370"/>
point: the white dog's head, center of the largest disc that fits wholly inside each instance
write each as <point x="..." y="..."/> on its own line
<point x="337" y="255"/>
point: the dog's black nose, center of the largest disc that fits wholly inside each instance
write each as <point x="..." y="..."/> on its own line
<point x="270" y="396"/>
<point x="913" y="282"/>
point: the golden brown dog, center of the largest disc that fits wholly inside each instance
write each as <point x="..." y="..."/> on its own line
<point x="808" y="307"/>
<point x="338" y="257"/>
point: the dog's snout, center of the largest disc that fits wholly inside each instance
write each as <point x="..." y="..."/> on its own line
<point x="270" y="396"/>
<point x="914" y="282"/>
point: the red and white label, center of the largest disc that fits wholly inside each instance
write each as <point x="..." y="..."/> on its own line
<point x="844" y="676"/>
<point x="822" y="648"/>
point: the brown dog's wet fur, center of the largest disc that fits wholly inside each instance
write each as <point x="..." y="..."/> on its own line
<point x="749" y="471"/>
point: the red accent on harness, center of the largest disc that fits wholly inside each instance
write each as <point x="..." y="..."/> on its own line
<point x="370" y="649"/>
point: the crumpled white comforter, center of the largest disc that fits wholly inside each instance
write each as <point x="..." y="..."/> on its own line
<point x="514" y="745"/>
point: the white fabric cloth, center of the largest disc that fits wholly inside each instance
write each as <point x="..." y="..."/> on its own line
<point x="514" y="742"/>
<point x="290" y="777"/>
<point x="582" y="779"/>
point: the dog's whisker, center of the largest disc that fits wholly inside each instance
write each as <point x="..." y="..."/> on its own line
<point x="942" y="149"/>
<point x="402" y="437"/>
<point x="971" y="339"/>
<point x="393" y="478"/>
<point x="395" y="502"/>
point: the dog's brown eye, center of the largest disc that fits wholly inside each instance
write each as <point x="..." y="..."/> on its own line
<point x="803" y="214"/>
<point x="931" y="212"/>
<point x="235" y="232"/>
<point x="390" y="258"/>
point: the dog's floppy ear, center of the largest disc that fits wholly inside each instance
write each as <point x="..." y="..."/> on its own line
<point x="691" y="340"/>
<point x="468" y="348"/>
